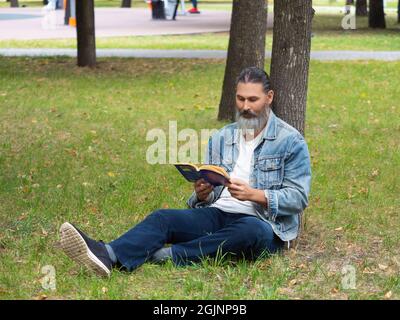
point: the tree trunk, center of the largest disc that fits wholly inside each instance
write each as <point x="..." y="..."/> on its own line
<point x="398" y="12"/>
<point x="290" y="60"/>
<point x="126" y="4"/>
<point x="67" y="11"/>
<point x="246" y="48"/>
<point x="376" y="14"/>
<point x="14" y="4"/>
<point x="361" y="8"/>
<point x="85" y="33"/>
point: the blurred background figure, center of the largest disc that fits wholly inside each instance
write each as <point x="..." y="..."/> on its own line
<point x="49" y="20"/>
<point x="194" y="9"/>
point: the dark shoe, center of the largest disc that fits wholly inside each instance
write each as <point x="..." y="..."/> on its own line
<point x="85" y="251"/>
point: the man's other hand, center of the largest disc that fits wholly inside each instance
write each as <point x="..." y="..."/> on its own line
<point x="202" y="189"/>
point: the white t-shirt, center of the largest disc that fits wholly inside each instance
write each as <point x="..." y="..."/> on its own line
<point x="241" y="171"/>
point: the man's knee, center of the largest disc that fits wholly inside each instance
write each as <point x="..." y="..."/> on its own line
<point x="159" y="216"/>
<point x="256" y="231"/>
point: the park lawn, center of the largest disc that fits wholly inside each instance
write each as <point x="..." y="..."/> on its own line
<point x="327" y="35"/>
<point x="73" y="148"/>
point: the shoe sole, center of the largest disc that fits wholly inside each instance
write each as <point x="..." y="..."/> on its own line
<point x="76" y="248"/>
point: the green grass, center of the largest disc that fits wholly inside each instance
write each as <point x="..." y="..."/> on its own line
<point x="73" y="147"/>
<point x="327" y="35"/>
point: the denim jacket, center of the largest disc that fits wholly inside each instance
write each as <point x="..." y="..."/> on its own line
<point x="281" y="167"/>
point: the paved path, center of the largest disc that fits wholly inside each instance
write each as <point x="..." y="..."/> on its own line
<point x="200" y="54"/>
<point x="26" y="23"/>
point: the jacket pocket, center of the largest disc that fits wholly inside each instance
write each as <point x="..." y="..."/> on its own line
<point x="270" y="171"/>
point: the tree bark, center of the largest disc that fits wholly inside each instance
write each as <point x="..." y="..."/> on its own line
<point x="67" y="11"/>
<point x="361" y="8"/>
<point x="85" y="33"/>
<point x="376" y="14"/>
<point x="398" y="12"/>
<point x="14" y="4"/>
<point x="290" y="60"/>
<point x="246" y="48"/>
<point x="126" y="4"/>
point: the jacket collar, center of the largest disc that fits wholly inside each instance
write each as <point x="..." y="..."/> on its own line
<point x="269" y="132"/>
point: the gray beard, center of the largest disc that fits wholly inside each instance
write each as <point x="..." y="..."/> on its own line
<point x="255" y="124"/>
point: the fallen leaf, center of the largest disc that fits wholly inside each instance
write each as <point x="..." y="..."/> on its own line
<point x="44" y="232"/>
<point x="339" y="229"/>
<point x="375" y="172"/>
<point x="388" y="295"/>
<point x="368" y="271"/>
<point x="335" y="290"/>
<point x="104" y="289"/>
<point x="293" y="282"/>
<point x="22" y="216"/>
<point x="111" y="174"/>
<point x="382" y="266"/>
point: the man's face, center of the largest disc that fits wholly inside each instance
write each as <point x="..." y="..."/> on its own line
<point x="252" y="105"/>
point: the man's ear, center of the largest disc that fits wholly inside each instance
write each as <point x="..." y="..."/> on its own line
<point x="270" y="96"/>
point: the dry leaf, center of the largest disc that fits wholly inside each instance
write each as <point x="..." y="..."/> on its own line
<point x="368" y="271"/>
<point x="104" y="289"/>
<point x="388" y="295"/>
<point x="339" y="229"/>
<point x="382" y="266"/>
<point x="293" y="282"/>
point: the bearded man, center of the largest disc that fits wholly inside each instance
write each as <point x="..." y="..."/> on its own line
<point x="252" y="216"/>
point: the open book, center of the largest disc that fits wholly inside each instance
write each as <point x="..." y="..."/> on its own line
<point x="214" y="175"/>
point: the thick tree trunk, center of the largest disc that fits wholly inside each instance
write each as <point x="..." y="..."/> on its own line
<point x="290" y="59"/>
<point x="85" y="33"/>
<point x="14" y="4"/>
<point x="376" y="14"/>
<point x="246" y="48"/>
<point x="126" y="4"/>
<point x="361" y="8"/>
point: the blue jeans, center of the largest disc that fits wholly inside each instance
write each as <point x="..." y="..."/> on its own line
<point x="195" y="234"/>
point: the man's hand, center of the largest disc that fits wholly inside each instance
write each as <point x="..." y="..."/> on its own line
<point x="202" y="189"/>
<point x="241" y="190"/>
